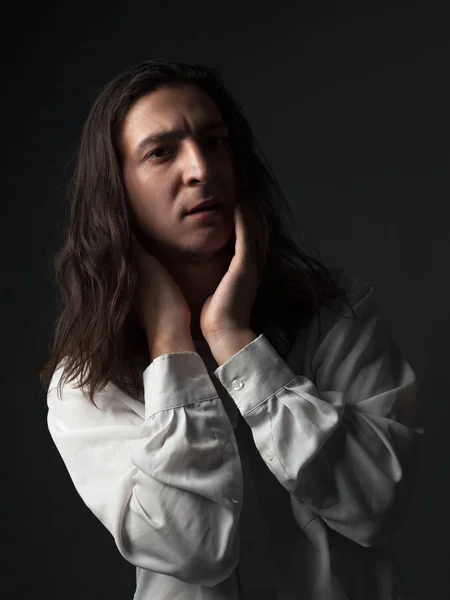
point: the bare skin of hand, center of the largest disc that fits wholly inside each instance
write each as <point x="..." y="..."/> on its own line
<point x="158" y="302"/>
<point x="229" y="308"/>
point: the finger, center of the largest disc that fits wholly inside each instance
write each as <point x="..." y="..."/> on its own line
<point x="242" y="246"/>
<point x="255" y="235"/>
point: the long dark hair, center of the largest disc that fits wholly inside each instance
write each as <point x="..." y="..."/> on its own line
<point x="97" y="336"/>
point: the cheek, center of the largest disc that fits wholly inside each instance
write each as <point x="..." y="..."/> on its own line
<point x="136" y="184"/>
<point x="228" y="171"/>
<point x="138" y="196"/>
<point x="140" y="189"/>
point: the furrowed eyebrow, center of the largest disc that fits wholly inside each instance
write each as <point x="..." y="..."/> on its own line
<point x="175" y="134"/>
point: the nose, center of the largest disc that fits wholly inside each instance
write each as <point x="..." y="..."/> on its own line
<point x="199" y="167"/>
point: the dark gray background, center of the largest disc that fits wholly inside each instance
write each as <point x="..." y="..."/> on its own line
<point x="350" y="103"/>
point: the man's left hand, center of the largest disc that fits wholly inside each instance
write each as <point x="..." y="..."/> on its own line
<point x="228" y="310"/>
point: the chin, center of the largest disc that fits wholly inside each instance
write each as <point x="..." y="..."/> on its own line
<point x="213" y="240"/>
<point x="212" y="247"/>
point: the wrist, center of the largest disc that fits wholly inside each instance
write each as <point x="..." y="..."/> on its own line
<point x="171" y="344"/>
<point x="226" y="344"/>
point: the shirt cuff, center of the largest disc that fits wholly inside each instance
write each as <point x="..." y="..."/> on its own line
<point x="176" y="379"/>
<point x="254" y="374"/>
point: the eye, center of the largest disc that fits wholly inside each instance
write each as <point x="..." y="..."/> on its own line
<point x="218" y="138"/>
<point x="156" y="153"/>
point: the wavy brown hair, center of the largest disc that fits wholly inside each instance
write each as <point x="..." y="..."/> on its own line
<point x="97" y="336"/>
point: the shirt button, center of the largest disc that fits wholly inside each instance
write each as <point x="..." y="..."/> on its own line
<point x="267" y="452"/>
<point x="235" y="500"/>
<point x="238" y="385"/>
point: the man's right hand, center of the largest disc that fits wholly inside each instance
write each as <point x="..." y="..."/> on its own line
<point x="160" y="306"/>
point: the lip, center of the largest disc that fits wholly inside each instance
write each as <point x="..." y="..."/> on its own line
<point x="208" y="202"/>
<point x="208" y="214"/>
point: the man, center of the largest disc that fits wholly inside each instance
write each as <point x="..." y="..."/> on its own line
<point x="185" y="160"/>
<point x="223" y="467"/>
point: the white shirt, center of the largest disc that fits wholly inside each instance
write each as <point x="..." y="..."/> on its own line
<point x="291" y="474"/>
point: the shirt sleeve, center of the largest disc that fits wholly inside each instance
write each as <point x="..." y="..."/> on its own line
<point x="343" y="436"/>
<point x="160" y="482"/>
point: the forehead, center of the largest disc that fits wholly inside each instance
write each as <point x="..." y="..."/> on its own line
<point x="183" y="107"/>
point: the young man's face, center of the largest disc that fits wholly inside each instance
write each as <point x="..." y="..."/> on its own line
<point x="166" y="178"/>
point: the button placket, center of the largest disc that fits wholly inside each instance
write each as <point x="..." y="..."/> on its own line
<point x="229" y="450"/>
<point x="229" y="447"/>
<point x="268" y="453"/>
